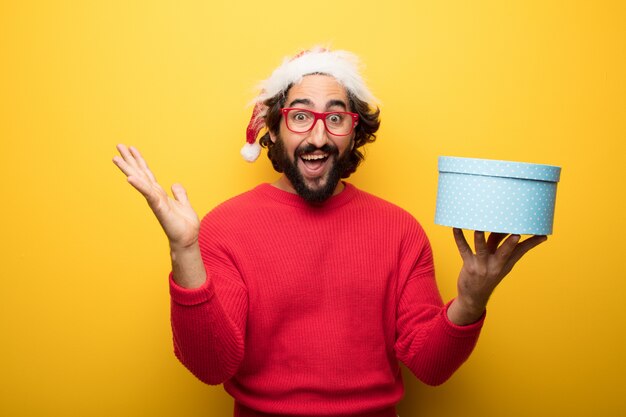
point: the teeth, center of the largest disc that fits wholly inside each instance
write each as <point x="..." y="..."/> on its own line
<point x="313" y="157"/>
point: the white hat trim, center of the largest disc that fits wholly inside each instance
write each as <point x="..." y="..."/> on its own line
<point x="342" y="65"/>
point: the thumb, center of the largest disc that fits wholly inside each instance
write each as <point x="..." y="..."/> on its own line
<point x="180" y="194"/>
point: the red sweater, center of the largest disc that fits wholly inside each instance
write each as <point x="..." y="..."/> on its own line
<point x="306" y="311"/>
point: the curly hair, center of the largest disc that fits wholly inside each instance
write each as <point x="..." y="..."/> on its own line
<point x="364" y="132"/>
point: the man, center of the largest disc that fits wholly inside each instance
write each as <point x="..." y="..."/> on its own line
<point x="301" y="296"/>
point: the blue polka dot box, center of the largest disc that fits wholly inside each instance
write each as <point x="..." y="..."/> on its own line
<point x="496" y="196"/>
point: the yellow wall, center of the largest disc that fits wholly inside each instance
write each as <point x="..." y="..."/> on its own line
<point x="84" y="313"/>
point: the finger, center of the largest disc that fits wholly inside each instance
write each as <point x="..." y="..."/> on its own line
<point x="142" y="163"/>
<point x="128" y="157"/>
<point x="494" y="241"/>
<point x="142" y="186"/>
<point x="180" y="194"/>
<point x="522" y="248"/>
<point x="480" y="244"/>
<point x="137" y="155"/>
<point x="461" y="243"/>
<point x="123" y="166"/>
<point x="506" y="249"/>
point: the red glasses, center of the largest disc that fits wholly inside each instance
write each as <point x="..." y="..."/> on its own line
<point x="338" y="123"/>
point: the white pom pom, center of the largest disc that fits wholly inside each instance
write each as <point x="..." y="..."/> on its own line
<point x="251" y="151"/>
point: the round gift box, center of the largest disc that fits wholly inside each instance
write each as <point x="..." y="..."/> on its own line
<point x="496" y="196"/>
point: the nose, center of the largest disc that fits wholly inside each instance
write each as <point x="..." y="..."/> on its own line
<point x="318" y="136"/>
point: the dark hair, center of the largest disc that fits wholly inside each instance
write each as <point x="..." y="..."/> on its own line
<point x="364" y="132"/>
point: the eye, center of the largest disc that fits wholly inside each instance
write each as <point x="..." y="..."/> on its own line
<point x="300" y="116"/>
<point x="335" y="118"/>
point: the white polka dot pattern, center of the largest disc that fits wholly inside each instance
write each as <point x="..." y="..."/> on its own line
<point x="496" y="196"/>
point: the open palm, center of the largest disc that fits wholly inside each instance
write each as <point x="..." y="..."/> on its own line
<point x="178" y="219"/>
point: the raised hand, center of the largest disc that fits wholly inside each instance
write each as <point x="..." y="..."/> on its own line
<point x="483" y="270"/>
<point x="178" y="219"/>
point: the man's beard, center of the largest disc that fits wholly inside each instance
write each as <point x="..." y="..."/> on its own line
<point x="325" y="185"/>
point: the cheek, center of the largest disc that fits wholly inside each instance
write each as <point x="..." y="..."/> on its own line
<point x="290" y="144"/>
<point x="346" y="146"/>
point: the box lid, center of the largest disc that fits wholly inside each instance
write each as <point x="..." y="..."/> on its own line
<point x="495" y="168"/>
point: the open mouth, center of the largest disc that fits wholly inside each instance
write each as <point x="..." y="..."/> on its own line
<point x="314" y="162"/>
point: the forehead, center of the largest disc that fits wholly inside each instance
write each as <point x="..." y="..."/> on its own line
<point x="319" y="89"/>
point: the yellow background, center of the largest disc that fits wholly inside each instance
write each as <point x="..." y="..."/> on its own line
<point x="84" y="316"/>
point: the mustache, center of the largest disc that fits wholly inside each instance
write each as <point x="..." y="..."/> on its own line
<point x="309" y="148"/>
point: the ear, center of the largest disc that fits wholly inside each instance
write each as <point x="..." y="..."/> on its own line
<point x="272" y="136"/>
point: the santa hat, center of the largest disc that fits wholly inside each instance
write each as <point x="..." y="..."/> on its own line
<point x="342" y="65"/>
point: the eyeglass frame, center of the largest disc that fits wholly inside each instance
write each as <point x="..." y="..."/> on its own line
<point x="320" y="116"/>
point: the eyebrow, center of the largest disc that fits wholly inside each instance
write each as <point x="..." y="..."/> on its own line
<point x="307" y="102"/>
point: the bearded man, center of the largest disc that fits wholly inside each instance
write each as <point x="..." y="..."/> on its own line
<point x="302" y="296"/>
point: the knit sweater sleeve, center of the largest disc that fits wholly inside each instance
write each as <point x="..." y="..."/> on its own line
<point x="208" y="323"/>
<point x="428" y="343"/>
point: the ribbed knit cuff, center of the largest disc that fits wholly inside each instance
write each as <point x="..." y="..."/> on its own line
<point x="191" y="296"/>
<point x="469" y="330"/>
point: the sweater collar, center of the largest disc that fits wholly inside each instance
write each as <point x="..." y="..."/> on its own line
<point x="285" y="197"/>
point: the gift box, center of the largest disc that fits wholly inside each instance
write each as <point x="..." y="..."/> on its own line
<point x="496" y="196"/>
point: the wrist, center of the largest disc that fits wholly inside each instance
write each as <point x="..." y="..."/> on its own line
<point x="463" y="312"/>
<point x="471" y="305"/>
<point x="184" y="247"/>
<point x="187" y="265"/>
